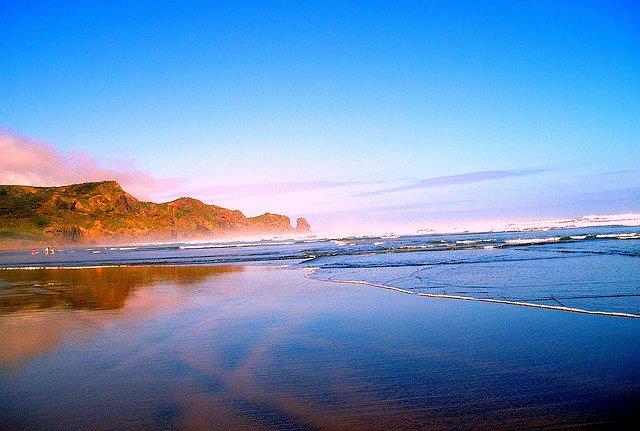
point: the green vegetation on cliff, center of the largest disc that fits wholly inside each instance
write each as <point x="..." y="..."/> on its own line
<point x="102" y="211"/>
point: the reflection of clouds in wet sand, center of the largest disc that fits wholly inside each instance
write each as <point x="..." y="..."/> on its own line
<point x="266" y="348"/>
<point x="216" y="359"/>
<point x="25" y="336"/>
<point x="41" y="308"/>
<point x="232" y="384"/>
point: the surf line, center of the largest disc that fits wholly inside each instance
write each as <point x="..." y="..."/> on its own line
<point x="490" y="300"/>
<point x="124" y="265"/>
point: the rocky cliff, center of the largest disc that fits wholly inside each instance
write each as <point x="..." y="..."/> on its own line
<point x="103" y="212"/>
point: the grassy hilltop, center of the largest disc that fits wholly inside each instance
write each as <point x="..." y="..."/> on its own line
<point x="103" y="212"/>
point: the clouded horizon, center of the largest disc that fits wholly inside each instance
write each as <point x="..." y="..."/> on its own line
<point x="357" y="116"/>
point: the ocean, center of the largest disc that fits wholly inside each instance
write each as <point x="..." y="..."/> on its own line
<point x="583" y="270"/>
<point x="495" y="330"/>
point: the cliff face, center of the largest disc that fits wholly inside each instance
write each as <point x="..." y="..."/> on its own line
<point x="102" y="211"/>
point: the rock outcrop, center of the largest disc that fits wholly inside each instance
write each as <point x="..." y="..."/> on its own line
<point x="302" y="225"/>
<point x="103" y="212"/>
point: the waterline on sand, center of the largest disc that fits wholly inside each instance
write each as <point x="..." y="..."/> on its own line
<point x="311" y="272"/>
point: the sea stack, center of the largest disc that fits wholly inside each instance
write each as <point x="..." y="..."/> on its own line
<point x="302" y="225"/>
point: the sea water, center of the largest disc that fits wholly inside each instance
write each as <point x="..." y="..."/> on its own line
<point x="254" y="335"/>
<point x="584" y="270"/>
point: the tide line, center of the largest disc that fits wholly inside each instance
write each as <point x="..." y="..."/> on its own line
<point x="490" y="300"/>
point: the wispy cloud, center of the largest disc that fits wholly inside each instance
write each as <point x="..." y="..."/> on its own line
<point x="245" y="190"/>
<point x="30" y="162"/>
<point x="452" y="180"/>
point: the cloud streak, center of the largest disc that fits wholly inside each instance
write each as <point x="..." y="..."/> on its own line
<point x="244" y="190"/>
<point x="29" y="162"/>
<point x="452" y="180"/>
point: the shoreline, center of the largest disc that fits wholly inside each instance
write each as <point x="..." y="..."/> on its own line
<point x="201" y="342"/>
<point x="308" y="273"/>
<point x="311" y="271"/>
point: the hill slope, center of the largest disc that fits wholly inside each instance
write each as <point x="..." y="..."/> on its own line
<point x="102" y="211"/>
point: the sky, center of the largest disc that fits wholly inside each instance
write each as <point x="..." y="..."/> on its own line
<point x="356" y="115"/>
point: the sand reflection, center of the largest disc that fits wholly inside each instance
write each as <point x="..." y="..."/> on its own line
<point x="259" y="348"/>
<point x="41" y="308"/>
<point x="102" y="288"/>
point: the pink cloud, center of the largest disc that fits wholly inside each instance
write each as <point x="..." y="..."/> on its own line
<point x="29" y="162"/>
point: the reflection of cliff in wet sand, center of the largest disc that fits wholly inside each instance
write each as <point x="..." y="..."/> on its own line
<point x="40" y="309"/>
<point x="266" y="348"/>
<point x="100" y="288"/>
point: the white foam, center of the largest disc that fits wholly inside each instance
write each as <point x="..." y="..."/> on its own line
<point x="473" y="241"/>
<point x="197" y="247"/>
<point x="419" y="247"/>
<point x="633" y="235"/>
<point x="526" y="241"/>
<point x="529" y="304"/>
<point x="579" y="222"/>
<point x="223" y="245"/>
<point x="490" y="300"/>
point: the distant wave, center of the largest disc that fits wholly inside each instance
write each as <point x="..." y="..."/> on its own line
<point x="634" y="235"/>
<point x="227" y="245"/>
<point x="410" y="250"/>
<point x="421" y="247"/>
<point x="474" y="241"/>
<point x="530" y="241"/>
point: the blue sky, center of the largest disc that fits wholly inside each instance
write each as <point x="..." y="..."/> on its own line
<point x="387" y="113"/>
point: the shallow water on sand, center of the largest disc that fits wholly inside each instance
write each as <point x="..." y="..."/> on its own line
<point x="591" y="269"/>
<point x="237" y="347"/>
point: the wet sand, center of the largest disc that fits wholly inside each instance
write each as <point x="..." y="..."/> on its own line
<point x="266" y="348"/>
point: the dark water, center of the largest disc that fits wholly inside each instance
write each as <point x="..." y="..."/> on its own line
<point x="277" y="335"/>
<point x="237" y="347"/>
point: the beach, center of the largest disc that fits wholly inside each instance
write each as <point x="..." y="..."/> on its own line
<point x="319" y="215"/>
<point x="258" y="347"/>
